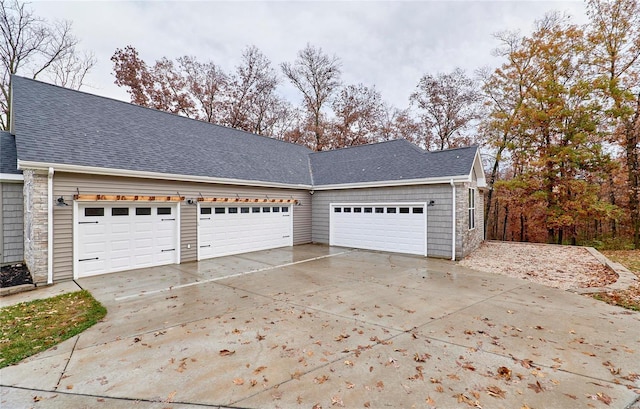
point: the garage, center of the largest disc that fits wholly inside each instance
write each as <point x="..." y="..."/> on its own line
<point x="240" y="228"/>
<point x="122" y="236"/>
<point x="394" y="227"/>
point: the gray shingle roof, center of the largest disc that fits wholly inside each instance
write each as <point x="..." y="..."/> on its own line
<point x="58" y="125"/>
<point x="8" y="157"/>
<point x="61" y="126"/>
<point x="386" y="161"/>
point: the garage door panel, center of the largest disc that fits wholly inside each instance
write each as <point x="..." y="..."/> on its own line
<point x="126" y="237"/>
<point x="388" y="227"/>
<point x="222" y="232"/>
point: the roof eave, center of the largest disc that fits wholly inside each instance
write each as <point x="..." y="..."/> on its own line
<point x="11" y="177"/>
<point x="154" y="175"/>
<point x="391" y="183"/>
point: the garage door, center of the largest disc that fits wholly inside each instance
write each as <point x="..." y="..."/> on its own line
<point x="400" y="228"/>
<point x="117" y="237"/>
<point x="226" y="230"/>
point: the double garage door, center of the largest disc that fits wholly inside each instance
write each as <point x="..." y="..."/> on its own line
<point x="117" y="237"/>
<point x="226" y="230"/>
<point x="395" y="227"/>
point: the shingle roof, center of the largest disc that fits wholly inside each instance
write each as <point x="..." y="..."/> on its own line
<point x="389" y="161"/>
<point x="8" y="157"/>
<point x="57" y="125"/>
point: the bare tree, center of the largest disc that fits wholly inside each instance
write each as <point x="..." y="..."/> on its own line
<point x="317" y="76"/>
<point x="399" y="124"/>
<point x="359" y="112"/>
<point x="448" y="104"/>
<point x="32" y="46"/>
<point x="206" y="82"/>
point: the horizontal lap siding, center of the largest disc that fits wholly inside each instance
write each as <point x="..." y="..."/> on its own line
<point x="438" y="216"/>
<point x="67" y="184"/>
<point x="11" y="218"/>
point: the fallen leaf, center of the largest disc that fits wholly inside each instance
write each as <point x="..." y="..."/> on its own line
<point x="259" y="369"/>
<point x="337" y="401"/>
<point x="574" y="397"/>
<point x="317" y="406"/>
<point x="439" y="389"/>
<point x="321" y="379"/>
<point x="238" y="381"/>
<point x="350" y="385"/>
<point x="421" y="357"/>
<point x="70" y="386"/>
<point x="170" y="397"/>
<point x="430" y="401"/>
<point x="604" y="398"/>
<point x="348" y="363"/>
<point x="296" y="375"/>
<point x="341" y="337"/>
<point x="226" y="352"/>
<point x="536" y="387"/>
<point x="496" y="392"/>
<point x="504" y="372"/>
<point x="366" y="404"/>
<point x="380" y="385"/>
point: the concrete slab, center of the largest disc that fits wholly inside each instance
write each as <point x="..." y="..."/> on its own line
<point x="318" y="325"/>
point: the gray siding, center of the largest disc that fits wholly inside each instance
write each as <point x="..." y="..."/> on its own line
<point x="11" y="218"/>
<point x="439" y="220"/>
<point x="67" y="184"/>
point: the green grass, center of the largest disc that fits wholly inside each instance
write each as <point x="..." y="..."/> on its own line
<point x="32" y="327"/>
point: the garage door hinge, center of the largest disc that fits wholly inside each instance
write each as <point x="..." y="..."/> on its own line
<point x="87" y="259"/>
<point x="162" y="251"/>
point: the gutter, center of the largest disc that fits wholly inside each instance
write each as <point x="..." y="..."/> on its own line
<point x="453" y="220"/>
<point x="50" y="226"/>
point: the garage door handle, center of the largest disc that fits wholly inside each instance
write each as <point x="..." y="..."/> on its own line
<point x="205" y="218"/>
<point x="167" y="219"/>
<point x="162" y="251"/>
<point x="284" y="237"/>
<point x="87" y="259"/>
<point x="88" y="222"/>
<point x="208" y="245"/>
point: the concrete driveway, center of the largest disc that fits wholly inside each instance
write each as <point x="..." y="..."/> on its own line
<point x="314" y="326"/>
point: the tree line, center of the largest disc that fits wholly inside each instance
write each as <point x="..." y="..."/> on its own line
<point x="558" y="121"/>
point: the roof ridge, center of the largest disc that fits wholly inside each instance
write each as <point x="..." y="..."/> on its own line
<point x="158" y="111"/>
<point x="402" y="140"/>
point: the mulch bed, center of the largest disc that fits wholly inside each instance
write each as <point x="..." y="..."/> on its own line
<point x="15" y="274"/>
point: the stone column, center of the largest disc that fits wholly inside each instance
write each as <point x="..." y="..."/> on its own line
<point x="36" y="224"/>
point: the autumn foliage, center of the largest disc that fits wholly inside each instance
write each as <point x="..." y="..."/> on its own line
<point x="558" y="120"/>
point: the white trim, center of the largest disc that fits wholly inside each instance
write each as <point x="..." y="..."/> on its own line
<point x="388" y="183"/>
<point x="154" y="175"/>
<point x="453" y="221"/>
<point x="10" y="177"/>
<point x="50" y="226"/>
<point x="178" y="241"/>
<point x="424" y="206"/>
<point x="477" y="162"/>
<point x="74" y="239"/>
<point x="197" y="231"/>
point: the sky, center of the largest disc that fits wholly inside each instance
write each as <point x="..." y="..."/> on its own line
<point x="386" y="44"/>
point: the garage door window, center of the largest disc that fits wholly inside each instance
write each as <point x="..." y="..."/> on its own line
<point x="391" y="209"/>
<point x="285" y="209"/>
<point x="120" y="211"/>
<point x="368" y="209"/>
<point x="164" y="211"/>
<point x="266" y="210"/>
<point x="255" y="210"/>
<point x="418" y="210"/>
<point x="357" y="210"/>
<point x="337" y="210"/>
<point x="244" y="210"/>
<point x="276" y="209"/>
<point x="219" y="210"/>
<point x="94" y="211"/>
<point x="205" y="210"/>
<point x="404" y="210"/>
<point x="347" y="210"/>
<point x="143" y="211"/>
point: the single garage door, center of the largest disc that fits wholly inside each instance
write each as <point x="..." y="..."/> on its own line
<point x="225" y="230"/>
<point x="118" y="237"/>
<point x="400" y="228"/>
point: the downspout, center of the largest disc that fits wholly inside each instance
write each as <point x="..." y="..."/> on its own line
<point x="50" y="227"/>
<point x="453" y="221"/>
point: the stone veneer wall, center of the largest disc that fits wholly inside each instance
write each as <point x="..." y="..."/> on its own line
<point x="36" y="224"/>
<point x="468" y="240"/>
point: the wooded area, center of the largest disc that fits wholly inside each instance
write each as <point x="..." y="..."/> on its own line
<point x="558" y="121"/>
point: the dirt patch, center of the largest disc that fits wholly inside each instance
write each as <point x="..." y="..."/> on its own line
<point x="13" y="275"/>
<point x="563" y="267"/>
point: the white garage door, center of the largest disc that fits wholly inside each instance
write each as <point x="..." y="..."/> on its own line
<point x="226" y="230"/>
<point x="400" y="228"/>
<point x="117" y="237"/>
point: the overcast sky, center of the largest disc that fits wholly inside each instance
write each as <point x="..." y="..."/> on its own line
<point x="389" y="44"/>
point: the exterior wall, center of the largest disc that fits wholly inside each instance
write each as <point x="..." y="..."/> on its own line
<point x="36" y="224"/>
<point x="68" y="184"/>
<point x="467" y="239"/>
<point x="11" y="223"/>
<point x="439" y="222"/>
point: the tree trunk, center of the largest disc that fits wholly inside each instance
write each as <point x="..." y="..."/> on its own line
<point x="632" y="134"/>
<point x="504" y="226"/>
